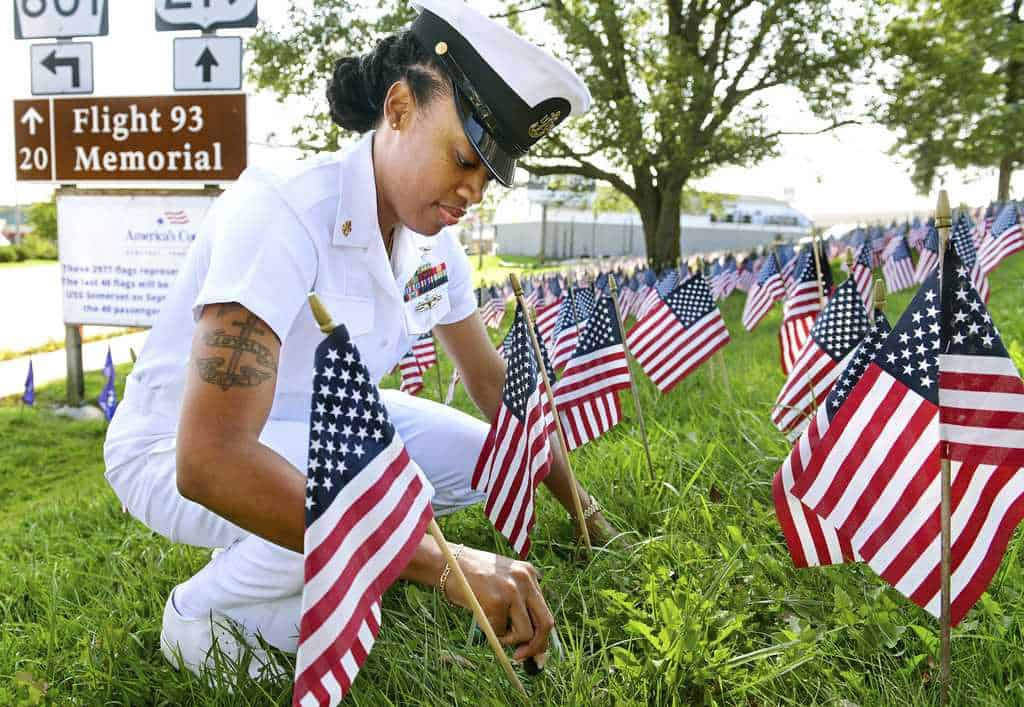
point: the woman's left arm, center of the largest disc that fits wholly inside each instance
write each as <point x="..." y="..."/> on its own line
<point x="481" y="368"/>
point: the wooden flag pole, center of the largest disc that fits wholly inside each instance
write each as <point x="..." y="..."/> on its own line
<point x="943" y="221"/>
<point x="437" y="365"/>
<point x="878" y="297"/>
<point x="632" y="381"/>
<point x="817" y="267"/>
<point x="474" y="604"/>
<point x="326" y="324"/>
<point x="720" y="354"/>
<point x="577" y="505"/>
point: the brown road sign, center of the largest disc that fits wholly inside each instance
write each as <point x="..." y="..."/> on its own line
<point x="179" y="137"/>
<point x="33" y="159"/>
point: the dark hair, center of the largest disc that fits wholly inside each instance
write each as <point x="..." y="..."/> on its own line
<point x="359" y="84"/>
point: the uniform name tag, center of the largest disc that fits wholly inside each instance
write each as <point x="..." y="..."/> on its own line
<point x="426" y="278"/>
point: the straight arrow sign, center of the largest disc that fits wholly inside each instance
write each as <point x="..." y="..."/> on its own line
<point x="207" y="63"/>
<point x="32" y="119"/>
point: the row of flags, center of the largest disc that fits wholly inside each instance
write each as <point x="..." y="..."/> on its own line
<point x="874" y="409"/>
<point x="107" y="399"/>
<point x="871" y="408"/>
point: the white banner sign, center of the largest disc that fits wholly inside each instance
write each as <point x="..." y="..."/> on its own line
<point x="120" y="255"/>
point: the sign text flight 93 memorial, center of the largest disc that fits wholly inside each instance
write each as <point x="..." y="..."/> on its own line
<point x="180" y="137"/>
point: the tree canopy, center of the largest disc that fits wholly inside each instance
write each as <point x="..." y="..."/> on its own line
<point x="956" y="95"/>
<point x="678" y="86"/>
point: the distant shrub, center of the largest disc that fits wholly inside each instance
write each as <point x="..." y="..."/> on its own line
<point x="8" y="255"/>
<point x="35" y="248"/>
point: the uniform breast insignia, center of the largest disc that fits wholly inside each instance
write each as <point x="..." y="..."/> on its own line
<point x="428" y="302"/>
<point x="346" y="228"/>
<point x="426" y="278"/>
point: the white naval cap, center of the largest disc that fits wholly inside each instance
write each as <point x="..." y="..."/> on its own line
<point x="509" y="92"/>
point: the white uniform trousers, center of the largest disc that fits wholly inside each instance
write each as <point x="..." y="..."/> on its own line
<point x="258" y="583"/>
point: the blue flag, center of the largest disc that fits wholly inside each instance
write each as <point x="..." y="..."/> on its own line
<point x="108" y="396"/>
<point x="29" y="398"/>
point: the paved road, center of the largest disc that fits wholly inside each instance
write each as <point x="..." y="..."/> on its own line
<point x="31" y="307"/>
<point x="52" y="366"/>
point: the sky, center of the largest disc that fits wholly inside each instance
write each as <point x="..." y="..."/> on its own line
<point x="847" y="171"/>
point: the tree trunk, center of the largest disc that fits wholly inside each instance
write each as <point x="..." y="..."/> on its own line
<point x="1005" y="172"/>
<point x="660" y="218"/>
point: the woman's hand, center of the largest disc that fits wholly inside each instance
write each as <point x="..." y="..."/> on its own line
<point x="510" y="595"/>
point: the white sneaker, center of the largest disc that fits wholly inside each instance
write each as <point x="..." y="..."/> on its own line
<point x="190" y="642"/>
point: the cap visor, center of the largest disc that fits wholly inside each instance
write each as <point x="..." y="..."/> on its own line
<point x="500" y="163"/>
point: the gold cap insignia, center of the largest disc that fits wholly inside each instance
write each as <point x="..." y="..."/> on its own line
<point x="441" y="48"/>
<point x="346" y="228"/>
<point x="545" y="124"/>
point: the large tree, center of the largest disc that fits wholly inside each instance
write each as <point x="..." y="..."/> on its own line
<point x="956" y="93"/>
<point x="678" y="86"/>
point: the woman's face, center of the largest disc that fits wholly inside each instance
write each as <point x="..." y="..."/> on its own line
<point x="434" y="174"/>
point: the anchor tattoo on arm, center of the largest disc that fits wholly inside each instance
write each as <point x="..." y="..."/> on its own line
<point x="229" y="371"/>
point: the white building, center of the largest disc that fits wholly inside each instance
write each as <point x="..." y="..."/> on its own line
<point x="523" y="228"/>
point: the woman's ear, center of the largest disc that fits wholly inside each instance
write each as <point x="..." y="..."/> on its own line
<point x="399" y="104"/>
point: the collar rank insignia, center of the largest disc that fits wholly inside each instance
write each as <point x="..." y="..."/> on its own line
<point x="346" y="228"/>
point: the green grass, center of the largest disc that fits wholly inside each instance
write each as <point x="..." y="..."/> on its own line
<point x="495" y="268"/>
<point x="704" y="607"/>
<point x="26" y="263"/>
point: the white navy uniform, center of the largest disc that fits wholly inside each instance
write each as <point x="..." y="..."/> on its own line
<point x="270" y="239"/>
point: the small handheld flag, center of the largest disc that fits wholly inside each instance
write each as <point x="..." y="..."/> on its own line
<point x="108" y="396"/>
<point x="29" y="397"/>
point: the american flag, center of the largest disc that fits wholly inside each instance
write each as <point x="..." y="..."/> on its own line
<point x="941" y="383"/>
<point x="587" y="395"/>
<point x="834" y="336"/>
<point x="664" y="285"/>
<point x="919" y="232"/>
<point x="898" y="269"/>
<point x="425" y="352"/>
<point x="572" y="321"/>
<point x="175" y="218"/>
<point x="767" y="290"/>
<point x="411" y="372"/>
<point x="1007" y="238"/>
<point x="963" y="243"/>
<point x="788" y="261"/>
<point x="628" y="295"/>
<point x="800" y="307"/>
<point x="516" y="456"/>
<point x="531" y="293"/>
<point x="367" y="506"/>
<point x="493" y="310"/>
<point x="745" y="278"/>
<point x="810" y="539"/>
<point x="723" y="277"/>
<point x="681" y="332"/>
<point x="929" y="259"/>
<point x="547" y="311"/>
<point x="862" y="274"/>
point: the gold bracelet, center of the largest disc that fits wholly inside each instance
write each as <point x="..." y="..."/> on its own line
<point x="447" y="570"/>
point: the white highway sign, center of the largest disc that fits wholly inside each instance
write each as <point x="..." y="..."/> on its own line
<point x="207" y="63"/>
<point x="40" y="19"/>
<point x="173" y="15"/>
<point x="61" y="68"/>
